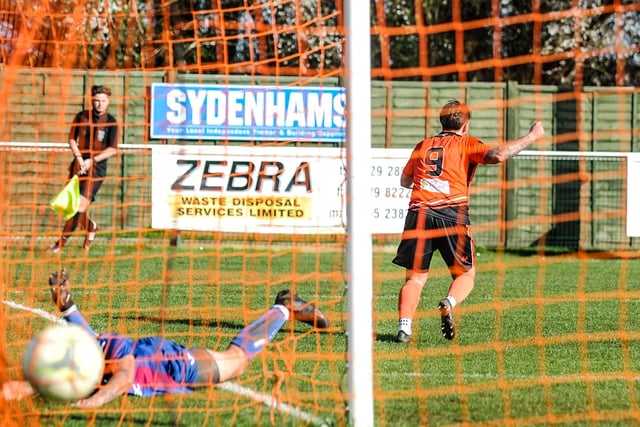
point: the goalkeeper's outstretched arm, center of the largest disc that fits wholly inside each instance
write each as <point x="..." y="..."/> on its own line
<point x="17" y="390"/>
<point x="122" y="375"/>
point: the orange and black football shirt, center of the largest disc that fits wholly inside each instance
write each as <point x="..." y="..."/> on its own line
<point x="442" y="168"/>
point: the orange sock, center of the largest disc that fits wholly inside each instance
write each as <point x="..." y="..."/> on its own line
<point x="462" y="286"/>
<point x="409" y="298"/>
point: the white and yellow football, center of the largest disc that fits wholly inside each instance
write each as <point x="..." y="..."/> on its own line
<point x="64" y="362"/>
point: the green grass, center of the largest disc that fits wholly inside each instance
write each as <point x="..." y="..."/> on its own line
<point x="542" y="340"/>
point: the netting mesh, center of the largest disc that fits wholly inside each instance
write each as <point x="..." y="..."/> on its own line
<point x="549" y="335"/>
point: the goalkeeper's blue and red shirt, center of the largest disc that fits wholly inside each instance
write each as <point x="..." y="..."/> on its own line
<point x="161" y="366"/>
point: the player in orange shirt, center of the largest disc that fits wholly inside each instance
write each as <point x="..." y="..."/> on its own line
<point x="439" y="173"/>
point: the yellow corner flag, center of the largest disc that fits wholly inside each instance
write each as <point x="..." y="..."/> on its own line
<point x="67" y="202"/>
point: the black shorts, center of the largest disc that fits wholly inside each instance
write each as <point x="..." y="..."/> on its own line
<point x="89" y="184"/>
<point x="424" y="233"/>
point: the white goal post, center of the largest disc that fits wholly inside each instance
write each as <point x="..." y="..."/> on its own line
<point x="359" y="237"/>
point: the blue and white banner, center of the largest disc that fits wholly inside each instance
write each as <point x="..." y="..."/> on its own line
<point x="247" y="113"/>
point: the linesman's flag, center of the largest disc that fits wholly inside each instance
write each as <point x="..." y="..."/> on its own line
<point x="67" y="202"/>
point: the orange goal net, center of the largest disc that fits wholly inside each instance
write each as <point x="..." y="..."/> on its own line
<point x="225" y="181"/>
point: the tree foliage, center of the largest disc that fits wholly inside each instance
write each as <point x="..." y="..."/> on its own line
<point x="543" y="42"/>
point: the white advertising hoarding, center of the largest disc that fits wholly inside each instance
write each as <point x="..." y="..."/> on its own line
<point x="269" y="189"/>
<point x="633" y="195"/>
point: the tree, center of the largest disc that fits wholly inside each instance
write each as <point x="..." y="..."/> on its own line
<point x="543" y="42"/>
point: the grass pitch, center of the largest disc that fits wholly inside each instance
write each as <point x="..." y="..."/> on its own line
<point x="542" y="340"/>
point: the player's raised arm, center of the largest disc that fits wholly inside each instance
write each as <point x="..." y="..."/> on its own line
<point x="122" y="375"/>
<point x="510" y="149"/>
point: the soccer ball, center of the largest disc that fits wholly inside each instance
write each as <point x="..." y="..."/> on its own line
<point x="64" y="362"/>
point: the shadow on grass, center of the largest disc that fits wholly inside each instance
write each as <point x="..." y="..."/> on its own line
<point x="558" y="251"/>
<point x="194" y="322"/>
<point x="107" y="419"/>
<point x="386" y="338"/>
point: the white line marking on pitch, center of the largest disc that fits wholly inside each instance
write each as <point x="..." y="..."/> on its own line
<point x="272" y="402"/>
<point x="228" y="386"/>
<point x="42" y="313"/>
